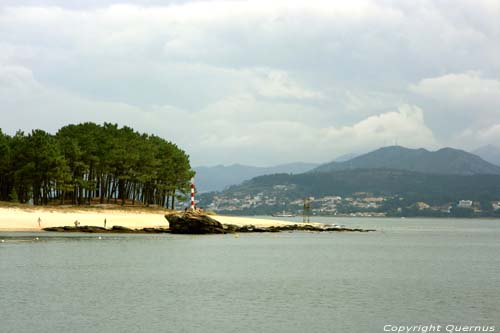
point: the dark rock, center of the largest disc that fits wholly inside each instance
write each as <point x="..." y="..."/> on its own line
<point x="55" y="229"/>
<point x="292" y="227"/>
<point x="121" y="229"/>
<point x="116" y="229"/>
<point x="156" y="230"/>
<point x="246" y="228"/>
<point x="192" y="223"/>
<point x="84" y="228"/>
<point x="230" y="228"/>
<point x="87" y="228"/>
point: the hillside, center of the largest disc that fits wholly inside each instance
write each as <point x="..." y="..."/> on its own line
<point x="394" y="189"/>
<point x="444" y="161"/>
<point x="219" y="177"/>
<point x="489" y="153"/>
<point x="421" y="186"/>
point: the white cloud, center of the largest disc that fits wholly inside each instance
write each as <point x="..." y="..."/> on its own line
<point x="274" y="83"/>
<point x="461" y="89"/>
<point x="27" y="104"/>
<point x="405" y="127"/>
<point x="467" y="102"/>
<point x="474" y="138"/>
<point x="239" y="126"/>
<point x="275" y="140"/>
<point x="259" y="82"/>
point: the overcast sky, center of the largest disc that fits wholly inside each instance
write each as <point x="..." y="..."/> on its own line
<point x="257" y="82"/>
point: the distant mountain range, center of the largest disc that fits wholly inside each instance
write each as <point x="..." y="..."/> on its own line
<point x="400" y="178"/>
<point x="447" y="161"/>
<point x="489" y="153"/>
<point x="219" y="177"/>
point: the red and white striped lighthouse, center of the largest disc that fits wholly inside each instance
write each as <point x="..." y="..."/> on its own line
<point x="192" y="194"/>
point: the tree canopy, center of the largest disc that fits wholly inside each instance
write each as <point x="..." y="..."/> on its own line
<point x="87" y="162"/>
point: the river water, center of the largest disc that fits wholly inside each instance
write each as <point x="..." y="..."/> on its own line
<point x="409" y="272"/>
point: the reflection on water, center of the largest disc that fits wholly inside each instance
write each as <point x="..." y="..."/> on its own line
<point x="411" y="271"/>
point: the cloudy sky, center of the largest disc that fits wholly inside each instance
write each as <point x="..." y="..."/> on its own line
<point x="257" y="82"/>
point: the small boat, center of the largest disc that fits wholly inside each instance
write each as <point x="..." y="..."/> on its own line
<point x="283" y="214"/>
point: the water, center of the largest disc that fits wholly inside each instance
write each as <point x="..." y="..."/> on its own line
<point x="412" y="271"/>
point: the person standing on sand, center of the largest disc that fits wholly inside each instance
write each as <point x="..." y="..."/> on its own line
<point x="39" y="222"/>
<point x="104" y="223"/>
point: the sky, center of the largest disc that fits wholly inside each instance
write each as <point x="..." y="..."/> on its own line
<point x="257" y="82"/>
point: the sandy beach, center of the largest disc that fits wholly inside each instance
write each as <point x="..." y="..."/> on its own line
<point x="26" y="219"/>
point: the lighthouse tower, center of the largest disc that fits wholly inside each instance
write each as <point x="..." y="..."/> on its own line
<point x="192" y="195"/>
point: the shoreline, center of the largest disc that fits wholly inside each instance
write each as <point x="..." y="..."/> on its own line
<point x="25" y="219"/>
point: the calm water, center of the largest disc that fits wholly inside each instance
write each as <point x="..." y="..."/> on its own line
<point x="413" y="271"/>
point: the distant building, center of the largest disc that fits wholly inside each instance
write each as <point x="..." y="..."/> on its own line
<point x="422" y="205"/>
<point x="443" y="209"/>
<point x="374" y="199"/>
<point x="465" y="204"/>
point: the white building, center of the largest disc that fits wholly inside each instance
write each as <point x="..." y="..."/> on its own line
<point x="465" y="204"/>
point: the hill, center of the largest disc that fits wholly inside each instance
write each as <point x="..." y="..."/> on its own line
<point x="489" y="153"/>
<point x="420" y="186"/>
<point x="396" y="189"/>
<point x="219" y="177"/>
<point x="444" y="161"/>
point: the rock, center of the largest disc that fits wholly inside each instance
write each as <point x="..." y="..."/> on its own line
<point x="56" y="229"/>
<point x="290" y="227"/>
<point x="245" y="228"/>
<point x="119" y="228"/>
<point x="84" y="228"/>
<point x="192" y="223"/>
<point x="156" y="230"/>
<point x="230" y="228"/>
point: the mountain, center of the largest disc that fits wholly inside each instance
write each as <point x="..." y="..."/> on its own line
<point x="489" y="153"/>
<point x="346" y="157"/>
<point x="444" y="161"/>
<point x="219" y="177"/>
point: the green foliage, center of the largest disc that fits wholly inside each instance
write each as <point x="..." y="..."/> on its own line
<point x="87" y="161"/>
<point x="13" y="197"/>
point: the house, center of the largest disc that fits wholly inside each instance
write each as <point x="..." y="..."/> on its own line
<point x="422" y="205"/>
<point x="465" y="204"/>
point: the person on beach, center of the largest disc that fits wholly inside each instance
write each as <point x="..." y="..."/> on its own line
<point x="105" y="223"/>
<point x="39" y="222"/>
<point x="77" y="223"/>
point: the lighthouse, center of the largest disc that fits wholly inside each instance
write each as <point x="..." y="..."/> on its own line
<point x="193" y="206"/>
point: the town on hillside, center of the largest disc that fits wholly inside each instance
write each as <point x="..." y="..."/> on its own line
<point x="359" y="204"/>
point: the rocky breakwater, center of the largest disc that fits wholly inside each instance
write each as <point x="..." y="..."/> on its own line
<point x="196" y="223"/>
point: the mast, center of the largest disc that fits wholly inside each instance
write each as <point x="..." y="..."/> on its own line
<point x="307" y="210"/>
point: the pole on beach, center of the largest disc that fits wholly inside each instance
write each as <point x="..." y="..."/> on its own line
<point x="192" y="194"/>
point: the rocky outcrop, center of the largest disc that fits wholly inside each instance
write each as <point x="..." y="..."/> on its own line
<point x="192" y="223"/>
<point x="84" y="228"/>
<point x="195" y="223"/>
<point x="292" y="227"/>
<point x="115" y="229"/>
